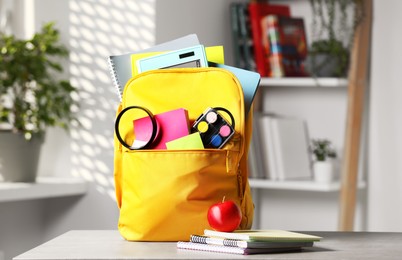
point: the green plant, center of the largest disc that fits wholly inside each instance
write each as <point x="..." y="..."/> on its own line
<point x="32" y="97"/>
<point x="322" y="149"/>
<point x="333" y="27"/>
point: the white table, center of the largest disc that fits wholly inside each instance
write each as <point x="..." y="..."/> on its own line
<point x="108" y="244"/>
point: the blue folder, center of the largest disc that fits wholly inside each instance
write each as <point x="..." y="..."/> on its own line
<point x="249" y="81"/>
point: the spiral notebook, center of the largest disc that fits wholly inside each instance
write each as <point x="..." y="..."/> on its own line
<point x="233" y="250"/>
<point x="120" y="65"/>
<point x="247" y="244"/>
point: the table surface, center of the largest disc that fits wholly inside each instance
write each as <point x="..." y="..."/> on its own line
<point x="108" y="244"/>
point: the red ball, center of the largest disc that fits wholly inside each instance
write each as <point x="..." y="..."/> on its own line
<point x="224" y="216"/>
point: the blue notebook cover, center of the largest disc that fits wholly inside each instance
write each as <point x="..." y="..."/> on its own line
<point x="249" y="81"/>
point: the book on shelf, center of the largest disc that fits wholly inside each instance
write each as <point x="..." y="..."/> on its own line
<point x="236" y="39"/>
<point x="285" y="150"/>
<point x="285" y="45"/>
<point x="270" y="43"/>
<point x="257" y="11"/>
<point x="269" y="162"/>
<point x="248" y="244"/>
<point x="291" y="148"/>
<point x="241" y="37"/>
<point x="256" y="158"/>
<point x="232" y="250"/>
<point x="263" y="235"/>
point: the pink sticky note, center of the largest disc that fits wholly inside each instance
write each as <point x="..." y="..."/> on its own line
<point x="143" y="131"/>
<point x="172" y="125"/>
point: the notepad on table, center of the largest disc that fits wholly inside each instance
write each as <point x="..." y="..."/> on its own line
<point x="232" y="250"/>
<point x="263" y="235"/>
<point x="248" y="244"/>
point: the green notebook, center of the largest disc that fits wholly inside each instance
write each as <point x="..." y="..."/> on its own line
<point x="262" y="235"/>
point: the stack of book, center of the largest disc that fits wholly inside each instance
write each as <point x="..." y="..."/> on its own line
<point x="249" y="241"/>
<point x="267" y="39"/>
<point x="257" y="12"/>
<point x="286" y="45"/>
<point x="285" y="147"/>
<point x="241" y="36"/>
<point x="282" y="145"/>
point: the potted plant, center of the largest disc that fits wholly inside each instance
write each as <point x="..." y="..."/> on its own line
<point x="324" y="154"/>
<point x="32" y="98"/>
<point x="333" y="27"/>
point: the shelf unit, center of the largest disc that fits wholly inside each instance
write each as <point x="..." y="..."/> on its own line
<point x="299" y="185"/>
<point x="44" y="187"/>
<point x="258" y="185"/>
<point x="305" y="185"/>
<point x="303" y="82"/>
<point x="356" y="94"/>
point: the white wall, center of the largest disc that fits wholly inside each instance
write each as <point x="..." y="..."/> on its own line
<point x="21" y="223"/>
<point x="209" y="19"/>
<point x="93" y="31"/>
<point x="385" y="147"/>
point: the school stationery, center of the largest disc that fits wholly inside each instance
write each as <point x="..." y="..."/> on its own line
<point x="191" y="141"/>
<point x="191" y="57"/>
<point x="249" y="81"/>
<point x="263" y="235"/>
<point x="146" y="133"/>
<point x="233" y="250"/>
<point x="214" y="54"/>
<point x="120" y="65"/>
<point x="214" y="130"/>
<point x="154" y="131"/>
<point x="247" y="244"/>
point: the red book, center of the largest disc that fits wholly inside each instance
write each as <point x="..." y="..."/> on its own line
<point x="257" y="11"/>
<point x="287" y="45"/>
<point x="272" y="46"/>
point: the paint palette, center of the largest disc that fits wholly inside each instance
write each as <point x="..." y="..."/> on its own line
<point x="215" y="131"/>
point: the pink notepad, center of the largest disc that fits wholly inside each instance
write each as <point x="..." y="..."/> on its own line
<point x="172" y="125"/>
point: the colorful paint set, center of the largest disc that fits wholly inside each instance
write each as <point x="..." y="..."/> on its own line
<point x="215" y="131"/>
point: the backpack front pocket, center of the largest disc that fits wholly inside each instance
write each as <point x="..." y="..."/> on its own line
<point x="166" y="194"/>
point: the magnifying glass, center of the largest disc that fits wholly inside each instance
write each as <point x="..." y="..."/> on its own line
<point x="136" y="128"/>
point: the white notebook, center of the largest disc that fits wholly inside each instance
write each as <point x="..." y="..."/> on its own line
<point x="233" y="250"/>
<point x="291" y="148"/>
<point x="267" y="140"/>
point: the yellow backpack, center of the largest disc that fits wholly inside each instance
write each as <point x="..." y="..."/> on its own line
<point x="164" y="195"/>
